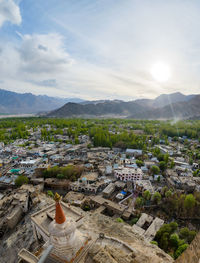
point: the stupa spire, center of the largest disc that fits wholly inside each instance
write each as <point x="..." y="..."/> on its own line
<point x="60" y="215"/>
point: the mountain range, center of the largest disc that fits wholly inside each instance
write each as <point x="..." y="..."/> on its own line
<point x="17" y="103"/>
<point x="165" y="106"/>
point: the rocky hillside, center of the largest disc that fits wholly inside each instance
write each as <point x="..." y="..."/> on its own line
<point x="192" y="253"/>
<point x="93" y="223"/>
<point x="142" y="251"/>
<point x="173" y="106"/>
<point x="115" y="108"/>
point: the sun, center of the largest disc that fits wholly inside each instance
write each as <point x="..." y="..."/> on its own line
<point x="160" y="72"/>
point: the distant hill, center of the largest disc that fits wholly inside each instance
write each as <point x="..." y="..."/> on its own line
<point x="108" y="108"/>
<point x="166" y="106"/>
<point x="164" y="99"/>
<point x="17" y="103"/>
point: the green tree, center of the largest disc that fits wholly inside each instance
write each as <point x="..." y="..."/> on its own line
<point x="139" y="202"/>
<point x="187" y="235"/>
<point x="60" y="176"/>
<point x="173" y="226"/>
<point x="156" y="197"/>
<point x="189" y="202"/>
<point x="168" y="193"/>
<point x="180" y="250"/>
<point x="162" y="166"/>
<point x="147" y="195"/>
<point x="174" y="240"/>
<point x="134" y="220"/>
<point x="191" y="236"/>
<point x="139" y="163"/>
<point x="155" y="169"/>
<point x="20" y="180"/>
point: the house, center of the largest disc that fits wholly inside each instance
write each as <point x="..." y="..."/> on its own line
<point x="143" y="185"/>
<point x="134" y="152"/>
<point x="147" y="227"/>
<point x="128" y="174"/>
<point x="109" y="190"/>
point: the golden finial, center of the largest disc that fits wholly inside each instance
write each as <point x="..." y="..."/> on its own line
<point x="57" y="197"/>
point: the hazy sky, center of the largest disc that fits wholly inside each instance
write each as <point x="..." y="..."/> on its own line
<point x="99" y="49"/>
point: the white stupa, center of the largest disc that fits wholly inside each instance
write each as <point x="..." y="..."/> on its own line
<point x="66" y="239"/>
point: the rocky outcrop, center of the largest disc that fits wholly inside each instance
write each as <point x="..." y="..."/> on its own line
<point x="140" y="250"/>
<point x="192" y="253"/>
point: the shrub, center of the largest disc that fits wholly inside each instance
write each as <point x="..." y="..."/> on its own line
<point x="139" y="202"/>
<point x="187" y="235"/>
<point x="173" y="226"/>
<point x="119" y="220"/>
<point x="20" y="180"/>
<point x="180" y="250"/>
<point x="147" y="195"/>
<point x="60" y="176"/>
<point x="86" y="208"/>
<point x="50" y="193"/>
<point x="184" y="233"/>
<point x="134" y="221"/>
<point x="156" y="197"/>
<point x="174" y="240"/>
<point x="154" y="243"/>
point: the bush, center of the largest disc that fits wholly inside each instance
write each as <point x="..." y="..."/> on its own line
<point x="180" y="250"/>
<point x="147" y="195"/>
<point x="187" y="235"/>
<point x="139" y="202"/>
<point x="50" y="193"/>
<point x="86" y="208"/>
<point x="154" y="243"/>
<point x="173" y="226"/>
<point x="139" y="163"/>
<point x="184" y="233"/>
<point x="119" y="220"/>
<point x="20" y="180"/>
<point x="134" y="221"/>
<point x="168" y="193"/>
<point x="60" y="176"/>
<point x="174" y="240"/>
<point x="70" y="172"/>
<point x="191" y="236"/>
<point x="156" y="197"/>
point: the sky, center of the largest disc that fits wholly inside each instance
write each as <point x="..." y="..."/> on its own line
<point x="99" y="49"/>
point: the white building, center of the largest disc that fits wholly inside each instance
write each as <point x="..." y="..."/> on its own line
<point x="128" y="174"/>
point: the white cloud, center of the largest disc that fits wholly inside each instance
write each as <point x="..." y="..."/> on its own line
<point x="43" y="54"/>
<point x="108" y="54"/>
<point x="9" y="11"/>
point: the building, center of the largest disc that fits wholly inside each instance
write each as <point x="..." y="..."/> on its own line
<point x="128" y="174"/>
<point x="147" y="227"/>
<point x="134" y="152"/>
<point x="109" y="190"/>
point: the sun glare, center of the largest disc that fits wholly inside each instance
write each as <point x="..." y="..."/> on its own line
<point x="160" y="72"/>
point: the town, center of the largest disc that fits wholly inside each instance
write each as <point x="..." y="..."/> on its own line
<point x="143" y="174"/>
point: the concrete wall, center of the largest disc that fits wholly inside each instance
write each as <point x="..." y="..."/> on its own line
<point x="192" y="253"/>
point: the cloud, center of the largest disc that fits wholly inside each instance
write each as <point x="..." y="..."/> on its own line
<point x="43" y="53"/>
<point x="102" y="50"/>
<point x="9" y="11"/>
